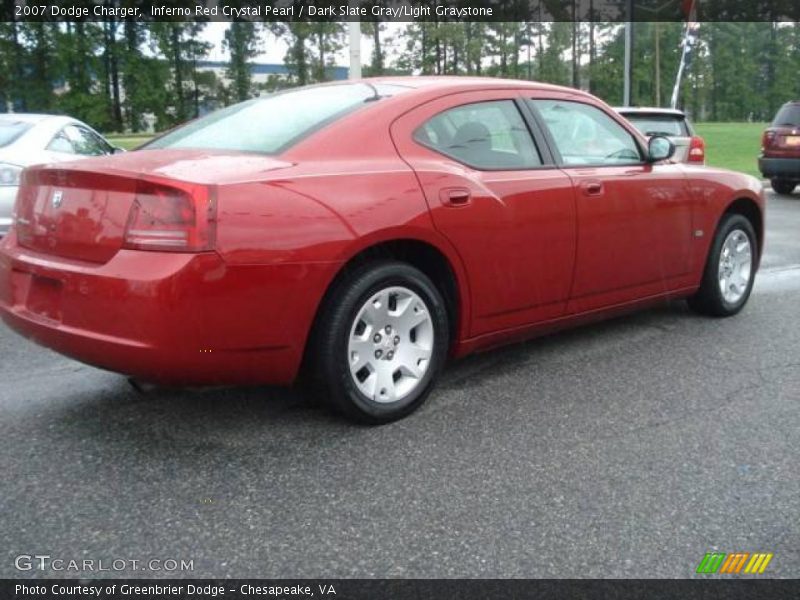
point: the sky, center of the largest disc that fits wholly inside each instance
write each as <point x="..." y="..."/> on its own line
<point x="275" y="49"/>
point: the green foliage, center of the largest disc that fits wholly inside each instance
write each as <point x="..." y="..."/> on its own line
<point x="114" y="74"/>
<point x="243" y="43"/>
<point x="311" y="50"/>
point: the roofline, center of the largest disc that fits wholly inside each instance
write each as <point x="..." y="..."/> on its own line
<point x="465" y="82"/>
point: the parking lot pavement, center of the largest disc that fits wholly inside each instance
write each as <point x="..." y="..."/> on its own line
<point x="624" y="449"/>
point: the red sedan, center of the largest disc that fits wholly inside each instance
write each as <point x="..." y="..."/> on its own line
<point x="366" y="231"/>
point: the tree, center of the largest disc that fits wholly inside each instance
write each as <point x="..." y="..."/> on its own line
<point x="111" y="70"/>
<point x="40" y="42"/>
<point x="180" y="44"/>
<point x="329" y="39"/>
<point x="374" y="30"/>
<point x="11" y="64"/>
<point x="554" y="68"/>
<point x="243" y="43"/>
<point x="78" y="48"/>
<point x="296" y="59"/>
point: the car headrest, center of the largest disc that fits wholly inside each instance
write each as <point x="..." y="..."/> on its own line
<point x="472" y="135"/>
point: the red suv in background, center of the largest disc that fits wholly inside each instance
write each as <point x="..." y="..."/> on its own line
<point x="780" y="149"/>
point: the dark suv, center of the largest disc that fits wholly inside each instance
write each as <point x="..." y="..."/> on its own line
<point x="780" y="149"/>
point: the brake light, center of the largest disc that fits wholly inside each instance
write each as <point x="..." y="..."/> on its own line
<point x="171" y="218"/>
<point x="697" y="150"/>
<point x="766" y="139"/>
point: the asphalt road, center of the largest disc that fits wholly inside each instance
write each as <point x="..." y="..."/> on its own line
<point x="625" y="449"/>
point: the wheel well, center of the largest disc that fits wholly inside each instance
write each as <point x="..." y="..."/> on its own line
<point x="423" y="256"/>
<point x="750" y="211"/>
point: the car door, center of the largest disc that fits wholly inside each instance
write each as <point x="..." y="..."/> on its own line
<point x="634" y="217"/>
<point x="499" y="199"/>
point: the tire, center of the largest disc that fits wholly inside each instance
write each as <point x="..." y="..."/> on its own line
<point x="730" y="267"/>
<point x="783" y="186"/>
<point x="367" y="372"/>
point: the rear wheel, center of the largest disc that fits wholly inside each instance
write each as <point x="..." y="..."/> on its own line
<point x="783" y="186"/>
<point x="730" y="269"/>
<point x="381" y="342"/>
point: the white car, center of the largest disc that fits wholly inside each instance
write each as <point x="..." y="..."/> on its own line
<point x="672" y="123"/>
<point x="27" y="139"/>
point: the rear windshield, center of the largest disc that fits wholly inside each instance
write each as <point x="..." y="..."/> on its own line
<point x="788" y="116"/>
<point x="652" y="124"/>
<point x="271" y="124"/>
<point x="10" y="130"/>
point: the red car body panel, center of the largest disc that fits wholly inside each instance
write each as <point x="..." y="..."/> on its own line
<point x="531" y="251"/>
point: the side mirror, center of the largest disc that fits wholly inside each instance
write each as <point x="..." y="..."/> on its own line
<point x="660" y="148"/>
<point x="117" y="150"/>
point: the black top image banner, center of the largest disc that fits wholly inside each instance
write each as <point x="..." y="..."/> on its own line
<point x="401" y="10"/>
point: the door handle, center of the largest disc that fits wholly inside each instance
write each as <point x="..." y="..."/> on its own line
<point x="455" y="196"/>
<point x="592" y="188"/>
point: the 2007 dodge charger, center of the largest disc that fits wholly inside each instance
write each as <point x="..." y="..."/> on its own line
<point x="367" y="231"/>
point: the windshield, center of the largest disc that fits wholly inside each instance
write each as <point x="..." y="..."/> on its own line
<point x="10" y="130"/>
<point x="788" y="116"/>
<point x="650" y="124"/>
<point x="271" y="124"/>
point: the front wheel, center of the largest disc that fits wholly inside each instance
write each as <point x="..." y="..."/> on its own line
<point x="782" y="186"/>
<point x="381" y="341"/>
<point x="730" y="269"/>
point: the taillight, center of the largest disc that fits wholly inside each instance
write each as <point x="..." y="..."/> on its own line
<point x="766" y="139"/>
<point x="171" y="218"/>
<point x="697" y="150"/>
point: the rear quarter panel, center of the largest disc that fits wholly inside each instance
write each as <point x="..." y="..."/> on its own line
<point x="317" y="214"/>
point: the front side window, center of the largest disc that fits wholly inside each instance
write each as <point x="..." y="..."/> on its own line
<point x="272" y="123"/>
<point x="485" y="135"/>
<point x="84" y="142"/>
<point x="585" y="135"/>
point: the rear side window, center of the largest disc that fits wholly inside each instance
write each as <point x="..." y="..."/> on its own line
<point x="273" y="123"/>
<point x="485" y="135"/>
<point x="788" y="116"/>
<point x="654" y="124"/>
<point x="11" y="130"/>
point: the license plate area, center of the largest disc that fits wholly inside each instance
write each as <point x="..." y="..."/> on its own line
<point x="792" y="140"/>
<point x="44" y="298"/>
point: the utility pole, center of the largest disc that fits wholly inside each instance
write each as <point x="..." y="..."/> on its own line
<point x="355" y="50"/>
<point x="626" y="93"/>
<point x="658" y="62"/>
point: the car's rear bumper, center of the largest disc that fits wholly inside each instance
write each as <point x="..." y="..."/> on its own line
<point x="788" y="168"/>
<point x="165" y="317"/>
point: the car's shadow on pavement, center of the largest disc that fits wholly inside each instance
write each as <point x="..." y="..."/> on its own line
<point x="208" y="417"/>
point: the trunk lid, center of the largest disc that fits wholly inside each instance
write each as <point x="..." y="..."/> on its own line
<point x="73" y="214"/>
<point x="80" y="210"/>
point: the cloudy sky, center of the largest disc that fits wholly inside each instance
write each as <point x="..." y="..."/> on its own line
<point x="275" y="49"/>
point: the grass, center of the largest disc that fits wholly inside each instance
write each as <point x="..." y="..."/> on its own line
<point x="732" y="145"/>
<point x="729" y="145"/>
<point x="128" y="141"/>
